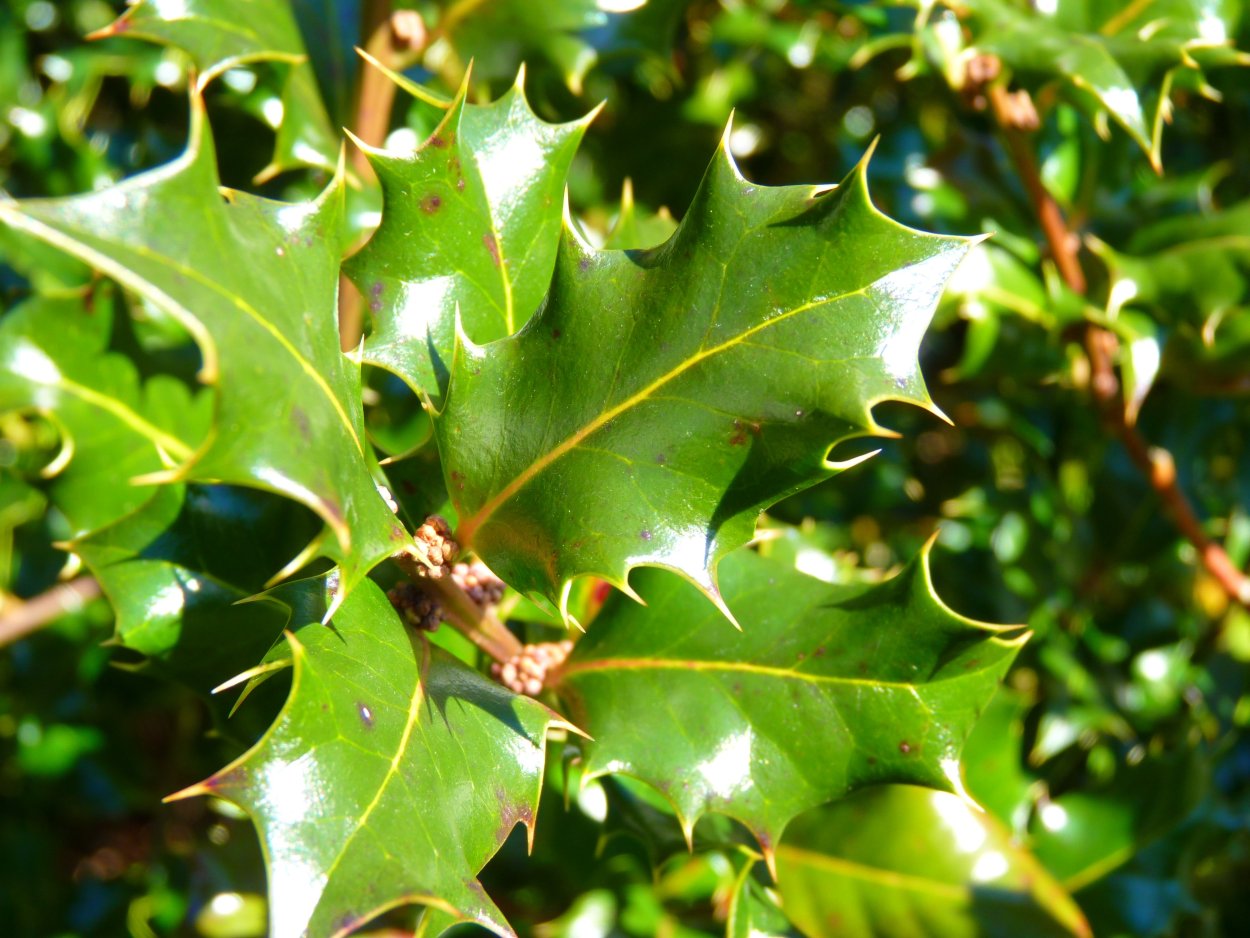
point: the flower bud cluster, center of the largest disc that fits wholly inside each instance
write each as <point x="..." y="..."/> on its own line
<point x="417" y="608"/>
<point x="481" y="586"/>
<point x="440" y="548"/>
<point x="526" y="672"/>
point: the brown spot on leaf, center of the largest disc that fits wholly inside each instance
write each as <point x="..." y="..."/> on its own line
<point x="862" y="667"/>
<point x="819" y="652"/>
<point x="555" y="333"/>
<point x="645" y="534"/>
<point x="584" y="264"/>
<point x="460" y="184"/>
<point x="904" y="747"/>
<point x="431" y="204"/>
<point x="302" y="426"/>
<point x="660" y="459"/>
<point x="439" y="142"/>
<point x="492" y="245"/>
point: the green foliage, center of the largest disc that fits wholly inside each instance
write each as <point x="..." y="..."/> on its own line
<point x="583" y="386"/>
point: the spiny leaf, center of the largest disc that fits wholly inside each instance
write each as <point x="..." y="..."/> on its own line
<point x="635" y="228"/>
<point x="753" y="912"/>
<point x="662" y="398"/>
<point x="54" y="360"/>
<point x="288" y="413"/>
<point x="177" y="569"/>
<point x="471" y="223"/>
<point x="574" y="35"/>
<point x="895" y="862"/>
<point x="1123" y="57"/>
<point x="391" y="776"/>
<point x="223" y="34"/>
<point x="1193" y="277"/>
<point x="833" y="688"/>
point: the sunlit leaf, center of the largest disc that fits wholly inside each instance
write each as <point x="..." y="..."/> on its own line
<point x="662" y="398"/>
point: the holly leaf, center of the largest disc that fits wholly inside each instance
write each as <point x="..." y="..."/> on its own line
<point x="836" y="688"/>
<point x="660" y="399"/>
<point x="172" y="237"/>
<point x="573" y="35"/>
<point x="177" y="570"/>
<point x="899" y="861"/>
<point x="471" y="222"/>
<point x="1119" y="59"/>
<point x="220" y="35"/>
<point x="1192" y="277"/>
<point x="391" y="776"/>
<point x="753" y="910"/>
<point x="113" y="426"/>
<point x="638" y="228"/>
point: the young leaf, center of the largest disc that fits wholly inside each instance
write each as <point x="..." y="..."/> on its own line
<point x="662" y="398"/>
<point x="288" y="412"/>
<point x="899" y="861"/>
<point x="471" y="222"/>
<point x="54" y="360"/>
<point x="1121" y="57"/>
<point x="391" y="776"/>
<point x="223" y="34"/>
<point x="833" y="688"/>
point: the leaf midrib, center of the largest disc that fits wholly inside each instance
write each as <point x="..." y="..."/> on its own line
<point x="114" y="268"/>
<point x="871" y="873"/>
<point x="414" y="711"/>
<point x="470" y="525"/>
<point x="732" y="667"/>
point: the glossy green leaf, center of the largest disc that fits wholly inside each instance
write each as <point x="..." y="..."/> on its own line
<point x="1192" y="276"/>
<point x="662" y="398"/>
<point x="471" y="222"/>
<point x="1122" y="57"/>
<point x="223" y="34"/>
<point x="753" y="910"/>
<point x="835" y="688"/>
<point x="573" y="35"/>
<point x="1083" y="836"/>
<point x="54" y="360"/>
<point x="391" y="776"/>
<point x="177" y="570"/>
<point x="288" y="410"/>
<point x="902" y="862"/>
<point x="637" y="228"/>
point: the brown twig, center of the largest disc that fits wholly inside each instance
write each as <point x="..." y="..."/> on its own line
<point x="477" y="623"/>
<point x="1155" y="463"/>
<point x="33" y="614"/>
<point x="388" y="36"/>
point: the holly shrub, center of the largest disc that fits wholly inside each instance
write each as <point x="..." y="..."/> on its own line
<point x="624" y="467"/>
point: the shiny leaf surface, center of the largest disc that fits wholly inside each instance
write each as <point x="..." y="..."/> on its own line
<point x="177" y="569"/>
<point x="1120" y="57"/>
<point x="662" y="398"/>
<point x="266" y="330"/>
<point x="471" y="222"/>
<point x="54" y="360"/>
<point x="836" y="688"/>
<point x="391" y="776"/>
<point x="902" y="862"/>
<point x="223" y="34"/>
